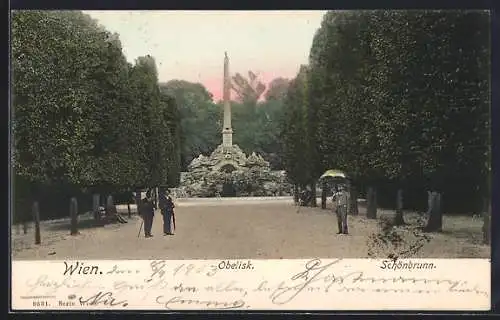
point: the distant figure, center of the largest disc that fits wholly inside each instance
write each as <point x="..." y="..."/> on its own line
<point x="305" y="196"/>
<point x="341" y="199"/>
<point x="147" y="212"/>
<point x="167" y="209"/>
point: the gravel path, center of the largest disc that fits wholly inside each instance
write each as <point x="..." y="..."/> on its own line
<point x="247" y="228"/>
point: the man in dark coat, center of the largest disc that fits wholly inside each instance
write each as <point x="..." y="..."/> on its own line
<point x="167" y="209"/>
<point x="148" y="213"/>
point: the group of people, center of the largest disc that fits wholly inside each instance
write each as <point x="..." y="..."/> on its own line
<point x="341" y="199"/>
<point x="148" y="208"/>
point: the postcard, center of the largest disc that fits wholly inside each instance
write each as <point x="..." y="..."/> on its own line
<point x="250" y="160"/>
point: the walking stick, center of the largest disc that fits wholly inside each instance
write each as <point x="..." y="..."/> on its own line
<point x="173" y="218"/>
<point x="140" y="229"/>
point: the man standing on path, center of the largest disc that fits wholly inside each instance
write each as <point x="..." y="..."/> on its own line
<point x="147" y="212"/>
<point x="167" y="209"/>
<point x="341" y="198"/>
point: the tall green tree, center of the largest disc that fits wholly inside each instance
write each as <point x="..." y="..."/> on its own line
<point x="54" y="59"/>
<point x="295" y="139"/>
<point x="248" y="90"/>
<point x="276" y="89"/>
<point x="200" y="119"/>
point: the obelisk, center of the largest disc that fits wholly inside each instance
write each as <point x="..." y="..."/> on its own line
<point x="227" y="131"/>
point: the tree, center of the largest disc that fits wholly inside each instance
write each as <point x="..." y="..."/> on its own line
<point x="248" y="90"/>
<point x="172" y="121"/>
<point x="53" y="107"/>
<point x="277" y="89"/>
<point x="296" y="144"/>
<point x="200" y="119"/>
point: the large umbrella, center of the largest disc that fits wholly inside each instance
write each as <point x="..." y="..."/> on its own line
<point x="333" y="177"/>
<point x="332" y="173"/>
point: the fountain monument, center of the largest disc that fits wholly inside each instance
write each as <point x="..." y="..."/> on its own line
<point x="228" y="171"/>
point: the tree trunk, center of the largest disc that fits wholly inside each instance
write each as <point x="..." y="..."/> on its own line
<point x="323" y="195"/>
<point x="25" y="227"/>
<point x="486" y="221"/>
<point x="435" y="221"/>
<point x="138" y="201"/>
<point x="399" y="219"/>
<point x="295" y="193"/>
<point x="371" y="211"/>
<point x="429" y="202"/>
<point x="95" y="207"/>
<point x="110" y="206"/>
<point x="73" y="212"/>
<point x="36" y="219"/>
<point x="353" y="207"/>
<point x="313" y="203"/>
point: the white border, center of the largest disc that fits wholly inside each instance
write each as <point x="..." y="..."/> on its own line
<point x="314" y="284"/>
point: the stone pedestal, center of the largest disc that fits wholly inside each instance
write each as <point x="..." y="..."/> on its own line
<point x="227" y="137"/>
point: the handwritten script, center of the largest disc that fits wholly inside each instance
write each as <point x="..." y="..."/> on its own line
<point x="328" y="284"/>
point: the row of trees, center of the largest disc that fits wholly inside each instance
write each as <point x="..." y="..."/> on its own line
<point x="399" y="100"/>
<point x="84" y="119"/>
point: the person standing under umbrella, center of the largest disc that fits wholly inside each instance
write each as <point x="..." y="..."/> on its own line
<point x="341" y="199"/>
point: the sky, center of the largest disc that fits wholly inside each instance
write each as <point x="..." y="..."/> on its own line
<point x="190" y="45"/>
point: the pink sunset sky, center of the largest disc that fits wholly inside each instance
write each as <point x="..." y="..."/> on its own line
<point x="190" y="45"/>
